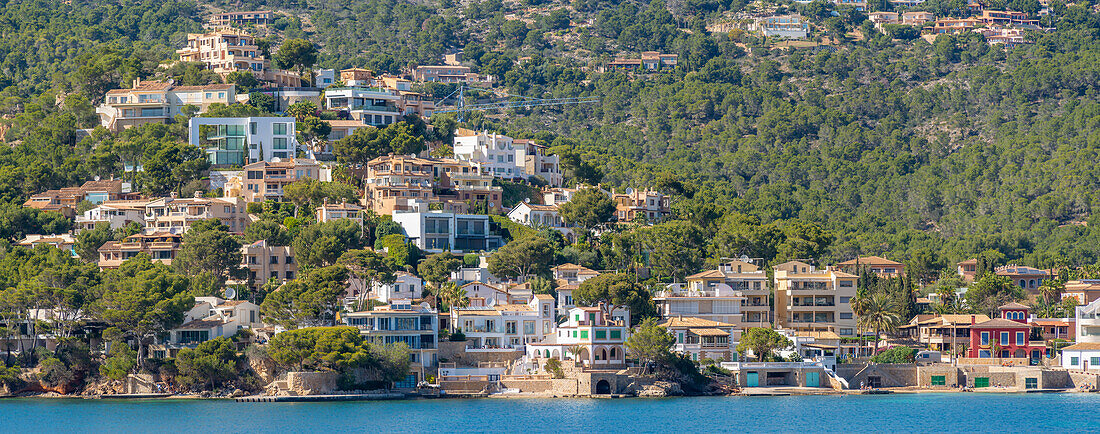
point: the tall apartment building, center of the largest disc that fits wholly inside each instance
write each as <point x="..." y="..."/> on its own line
<point x="464" y="183"/>
<point x="494" y="151"/>
<point x="265" y="180"/>
<point x="538" y="163"/>
<point x="408" y="183"/>
<point x="265" y="262"/>
<point x="176" y="215"/>
<point x="808" y="299"/>
<point x="240" y="141"/>
<point x="399" y="183"/>
<point x="734" y="293"/>
<point x="226" y="51"/>
<point x="158" y="102"/>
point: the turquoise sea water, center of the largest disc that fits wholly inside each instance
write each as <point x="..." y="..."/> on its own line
<point x="966" y="412"/>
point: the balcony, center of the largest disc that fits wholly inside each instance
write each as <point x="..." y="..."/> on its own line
<point x="494" y="349"/>
<point x="373" y="108"/>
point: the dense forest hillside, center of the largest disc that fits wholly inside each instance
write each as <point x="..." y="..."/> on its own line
<point x="927" y="153"/>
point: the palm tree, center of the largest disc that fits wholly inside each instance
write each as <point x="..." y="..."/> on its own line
<point x="452" y="295"/>
<point x="1050" y="290"/>
<point x="877" y="312"/>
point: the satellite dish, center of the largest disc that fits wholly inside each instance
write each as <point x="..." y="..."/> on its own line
<point x="96" y="178"/>
<point x="230" y="293"/>
<point x="744" y="258"/>
<point x="629" y="190"/>
<point x="491" y="204"/>
<point x="525" y="200"/>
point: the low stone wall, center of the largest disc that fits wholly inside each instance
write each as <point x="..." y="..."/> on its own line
<point x="530" y="386"/>
<point x="564" y="386"/>
<point x="456" y="352"/>
<point x="950" y="374"/>
<point x="466" y="386"/>
<point x="890" y="375"/>
<point x="994" y="361"/>
<point x="312" y="383"/>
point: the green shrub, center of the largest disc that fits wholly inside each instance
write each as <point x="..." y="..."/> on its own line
<point x="895" y="355"/>
<point x="458" y="336"/>
<point x="120" y="361"/>
<point x="553" y="366"/>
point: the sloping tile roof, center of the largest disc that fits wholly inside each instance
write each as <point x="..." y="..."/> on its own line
<point x="870" y="260"/>
<point x="691" y="322"/>
<point x="1000" y="322"/>
<point x="1090" y="346"/>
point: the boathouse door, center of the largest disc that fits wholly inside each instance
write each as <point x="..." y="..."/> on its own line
<point x="812" y="379"/>
<point x="753" y="379"/>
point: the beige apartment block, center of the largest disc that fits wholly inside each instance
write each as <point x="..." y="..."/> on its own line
<point x="808" y="299"/>
<point x="176" y="215"/>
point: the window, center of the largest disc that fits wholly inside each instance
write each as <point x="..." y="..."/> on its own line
<point x="279" y="142"/>
<point x="1019" y="338"/>
<point x="985" y="338"/>
<point x="845" y="299"/>
<point x="274" y="260"/>
<point x="616" y="334"/>
<point x="980" y="382"/>
<point x="278" y="129"/>
<point x="1004" y="338"/>
<point x="528" y="327"/>
<point x="601" y="334"/>
<point x="1094" y="361"/>
<point x="1074" y="361"/>
<point x="939" y="380"/>
<point x="584" y="334"/>
<point x="510" y="327"/>
<point x="846" y="332"/>
<point x="844" y="315"/>
<point x="845" y="283"/>
<point x="1031" y="383"/>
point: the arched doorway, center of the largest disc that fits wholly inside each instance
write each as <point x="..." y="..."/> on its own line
<point x="555" y="355"/>
<point x="603" y="387"/>
<point x="583" y="356"/>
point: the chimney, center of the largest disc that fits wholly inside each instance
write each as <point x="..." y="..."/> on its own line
<point x="137" y="82"/>
<point x="173" y="195"/>
<point x="972" y="318"/>
<point x="198" y="194"/>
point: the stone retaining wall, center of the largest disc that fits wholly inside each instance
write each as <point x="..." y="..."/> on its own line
<point x="312" y="383"/>
<point x="530" y="386"/>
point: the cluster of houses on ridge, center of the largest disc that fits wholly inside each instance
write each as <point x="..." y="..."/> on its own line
<point x="997" y="26"/>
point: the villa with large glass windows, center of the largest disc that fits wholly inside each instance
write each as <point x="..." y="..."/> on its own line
<point x="240" y="141"/>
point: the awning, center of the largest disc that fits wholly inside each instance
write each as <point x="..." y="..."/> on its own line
<point x="821" y="346"/>
<point x="709" y="332"/>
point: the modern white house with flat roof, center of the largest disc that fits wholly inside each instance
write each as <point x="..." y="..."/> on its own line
<point x="372" y="106"/>
<point x="439" y="231"/>
<point x="495" y="152"/>
<point x="240" y="141"/>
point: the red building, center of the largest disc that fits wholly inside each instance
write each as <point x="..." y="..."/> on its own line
<point x="1015" y="312"/>
<point x="1004" y="338"/>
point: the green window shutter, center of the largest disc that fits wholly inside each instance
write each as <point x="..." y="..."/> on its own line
<point x="601" y="334"/>
<point x="939" y="380"/>
<point x="616" y="334"/>
<point x="584" y="334"/>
